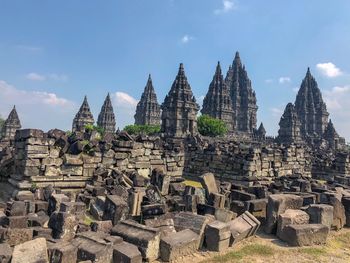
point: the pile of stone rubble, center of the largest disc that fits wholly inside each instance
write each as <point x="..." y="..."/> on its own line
<point x="125" y="217"/>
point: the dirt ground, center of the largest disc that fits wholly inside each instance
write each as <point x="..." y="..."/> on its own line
<point x="268" y="249"/>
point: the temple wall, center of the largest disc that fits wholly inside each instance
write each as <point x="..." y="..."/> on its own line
<point x="37" y="158"/>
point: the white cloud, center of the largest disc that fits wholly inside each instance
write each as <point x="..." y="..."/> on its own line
<point x="276" y="112"/>
<point x="35" y="76"/>
<point x="186" y="38"/>
<point x="37" y="109"/>
<point x="283" y="80"/>
<point x="227" y="6"/>
<point x="125" y="108"/>
<point x="52" y="76"/>
<point x="329" y="69"/>
<point x="337" y="100"/>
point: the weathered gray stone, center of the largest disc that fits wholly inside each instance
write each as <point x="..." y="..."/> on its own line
<point x="178" y="244"/>
<point x="33" y="251"/>
<point x="5" y="253"/>
<point x="217" y="236"/>
<point x="126" y="253"/>
<point x="278" y="204"/>
<point x="291" y="217"/>
<point x="116" y="209"/>
<point x="321" y="214"/>
<point x="242" y="227"/>
<point x="305" y="235"/>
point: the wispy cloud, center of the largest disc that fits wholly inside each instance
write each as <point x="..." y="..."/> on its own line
<point x="37" y="109"/>
<point x="329" y="69"/>
<point x="283" y="80"/>
<point x="186" y="38"/>
<point x="35" y="77"/>
<point x="125" y="107"/>
<point x="28" y="48"/>
<point x="41" y="77"/>
<point x="227" y="6"/>
<point x="276" y="112"/>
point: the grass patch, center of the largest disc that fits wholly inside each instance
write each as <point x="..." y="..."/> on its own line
<point x="193" y="183"/>
<point x="313" y="251"/>
<point x="88" y="220"/>
<point x="249" y="250"/>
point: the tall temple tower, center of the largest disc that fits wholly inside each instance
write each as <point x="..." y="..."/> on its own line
<point x="243" y="97"/>
<point x="179" y="115"/>
<point x="289" y="131"/>
<point x="148" y="109"/>
<point x="11" y="125"/>
<point x="106" y="118"/>
<point x="311" y="109"/>
<point x="83" y="117"/>
<point x="217" y="103"/>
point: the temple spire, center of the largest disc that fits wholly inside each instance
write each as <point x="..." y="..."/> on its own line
<point x="106" y="118"/>
<point x="217" y="102"/>
<point x="11" y="124"/>
<point x="148" y="109"/>
<point x="83" y="117"/>
<point x="289" y="131"/>
<point x="179" y="115"/>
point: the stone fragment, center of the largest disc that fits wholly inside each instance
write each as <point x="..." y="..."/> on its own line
<point x="305" y="235"/>
<point x="242" y="227"/>
<point x="33" y="251"/>
<point x="116" y="209"/>
<point x="217" y="236"/>
<point x="209" y="184"/>
<point x="103" y="226"/>
<point x="63" y="225"/>
<point x="62" y="252"/>
<point x="55" y="202"/>
<point x="126" y="253"/>
<point x="178" y="244"/>
<point x="5" y="253"/>
<point x="145" y="238"/>
<point x="278" y="204"/>
<point x="321" y="214"/>
<point x="291" y="217"/>
<point x="15" y="236"/>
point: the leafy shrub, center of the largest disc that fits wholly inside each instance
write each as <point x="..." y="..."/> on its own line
<point x="144" y="129"/>
<point x="208" y="126"/>
<point x="90" y="128"/>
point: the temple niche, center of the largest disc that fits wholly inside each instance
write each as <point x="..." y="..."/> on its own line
<point x="243" y="97"/>
<point x="217" y="103"/>
<point x="83" y="117"/>
<point x="106" y="118"/>
<point x="148" y="109"/>
<point x="179" y="109"/>
<point x="11" y="125"/>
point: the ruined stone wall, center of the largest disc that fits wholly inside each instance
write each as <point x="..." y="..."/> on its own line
<point x="38" y="159"/>
<point x="234" y="161"/>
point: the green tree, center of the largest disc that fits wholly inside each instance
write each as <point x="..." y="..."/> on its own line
<point x="145" y="129"/>
<point x="208" y="126"/>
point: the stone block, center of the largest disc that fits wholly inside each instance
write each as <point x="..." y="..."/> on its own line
<point x="33" y="251"/>
<point x="63" y="225"/>
<point x="321" y="214"/>
<point x="102" y="226"/>
<point x="16" y="208"/>
<point x="55" y="201"/>
<point x="278" y="204"/>
<point x="244" y="226"/>
<point x="209" y="184"/>
<point x="145" y="238"/>
<point x="224" y="215"/>
<point x="196" y="223"/>
<point x="5" y="253"/>
<point x="291" y="217"/>
<point x="334" y="199"/>
<point x="178" y="244"/>
<point x="62" y="252"/>
<point x="217" y="236"/>
<point x="116" y="209"/>
<point x="305" y="235"/>
<point x="15" y="236"/>
<point x="126" y="253"/>
<point x="346" y="204"/>
<point x="165" y="226"/>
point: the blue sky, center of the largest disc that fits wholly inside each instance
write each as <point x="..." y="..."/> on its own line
<point x="52" y="53"/>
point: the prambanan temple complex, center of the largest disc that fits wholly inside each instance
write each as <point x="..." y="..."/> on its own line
<point x="103" y="195"/>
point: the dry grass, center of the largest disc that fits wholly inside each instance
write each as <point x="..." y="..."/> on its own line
<point x="193" y="183"/>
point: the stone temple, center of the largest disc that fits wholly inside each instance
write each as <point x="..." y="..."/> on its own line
<point x="106" y="118"/>
<point x="83" y="117"/>
<point x="179" y="109"/>
<point x="119" y="197"/>
<point x="243" y="97"/>
<point x="311" y="109"/>
<point x="11" y="124"/>
<point x="217" y="103"/>
<point x="148" y="109"/>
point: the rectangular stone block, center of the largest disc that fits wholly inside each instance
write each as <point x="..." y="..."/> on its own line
<point x="126" y="253"/>
<point x="217" y="236"/>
